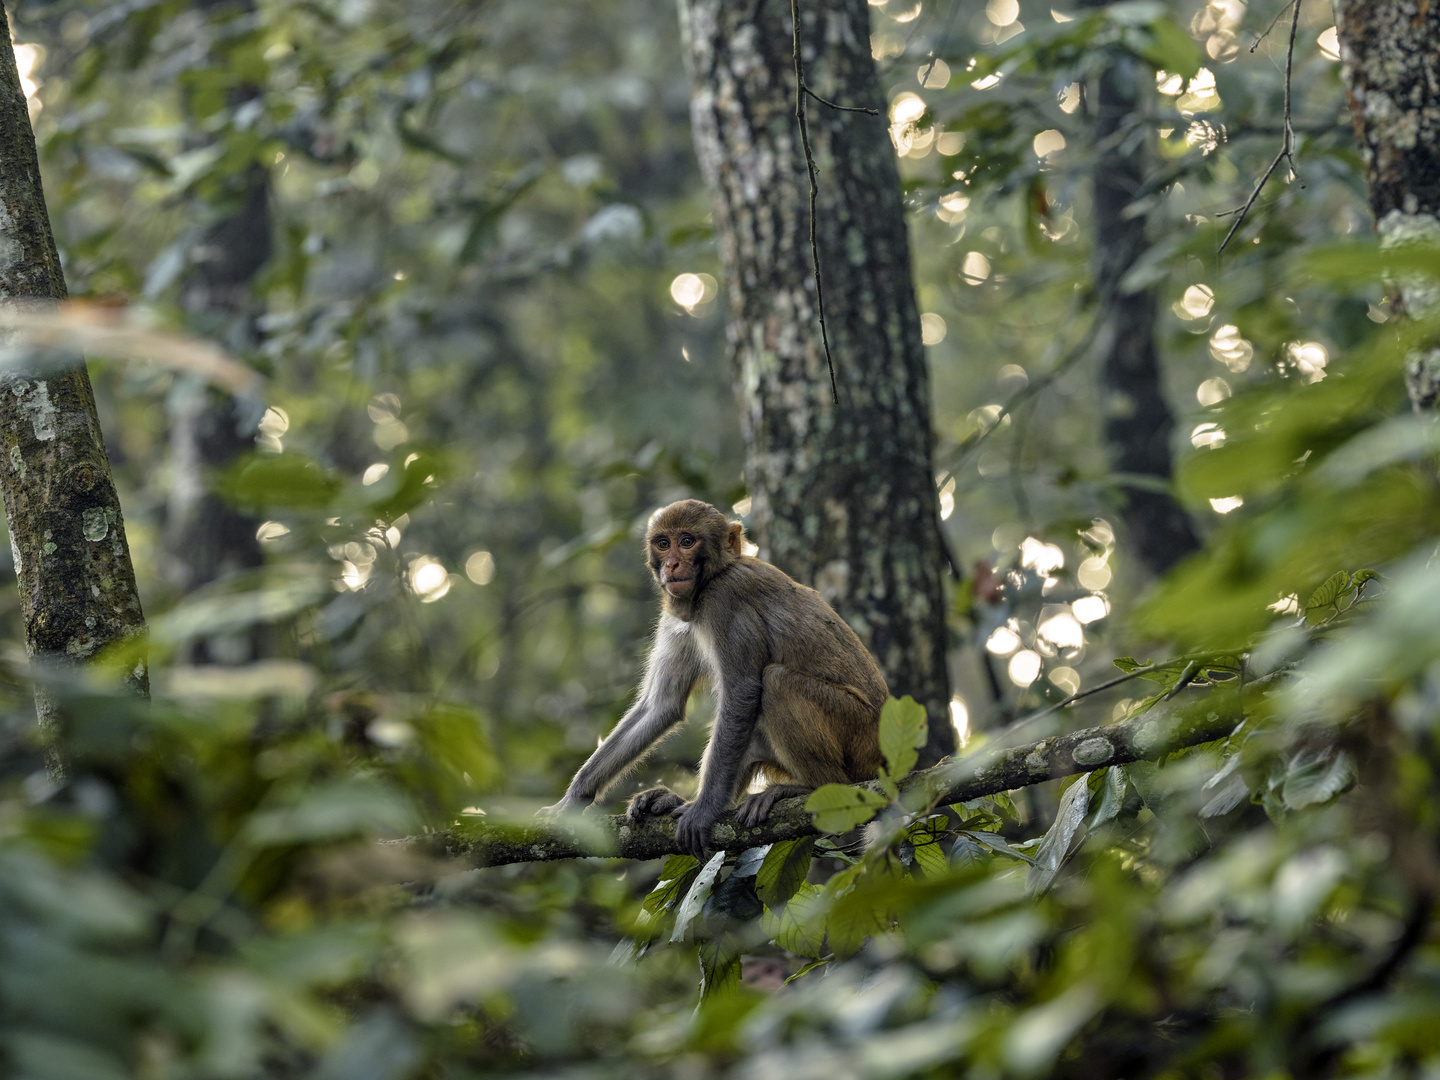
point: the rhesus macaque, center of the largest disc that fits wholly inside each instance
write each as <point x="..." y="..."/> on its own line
<point x="800" y="697"/>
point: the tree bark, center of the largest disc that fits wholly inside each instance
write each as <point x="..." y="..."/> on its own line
<point x="1138" y="421"/>
<point x="206" y="538"/>
<point x="1144" y="738"/>
<point x="1390" y="64"/>
<point x="843" y="495"/>
<point x="77" y="584"/>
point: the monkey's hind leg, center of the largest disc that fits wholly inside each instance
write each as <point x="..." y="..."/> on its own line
<point x="805" y="725"/>
<point x="656" y="802"/>
<point x="756" y="808"/>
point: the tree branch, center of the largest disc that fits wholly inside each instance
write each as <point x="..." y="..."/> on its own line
<point x="1287" y="141"/>
<point x="985" y="772"/>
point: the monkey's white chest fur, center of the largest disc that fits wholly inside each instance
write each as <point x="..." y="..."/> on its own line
<point x="696" y="638"/>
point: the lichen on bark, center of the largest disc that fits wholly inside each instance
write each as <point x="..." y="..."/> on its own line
<point x="843" y="495"/>
<point x="1390" y="64"/>
<point x="77" y="584"/>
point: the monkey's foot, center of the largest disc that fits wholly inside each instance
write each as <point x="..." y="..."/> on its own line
<point x="657" y="802"/>
<point x="754" y="809"/>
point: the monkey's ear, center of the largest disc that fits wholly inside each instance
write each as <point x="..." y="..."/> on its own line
<point x="735" y="539"/>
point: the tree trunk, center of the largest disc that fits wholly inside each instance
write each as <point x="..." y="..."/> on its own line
<point x="1138" y="421"/>
<point x="77" y="585"/>
<point x="843" y="495"/>
<point x="1390" y="63"/>
<point x="206" y="538"/>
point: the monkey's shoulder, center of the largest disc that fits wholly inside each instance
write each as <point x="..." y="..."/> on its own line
<point x="793" y="614"/>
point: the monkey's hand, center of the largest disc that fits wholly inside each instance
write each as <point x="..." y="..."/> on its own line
<point x="692" y="833"/>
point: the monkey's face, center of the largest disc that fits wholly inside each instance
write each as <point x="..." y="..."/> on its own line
<point x="677" y="560"/>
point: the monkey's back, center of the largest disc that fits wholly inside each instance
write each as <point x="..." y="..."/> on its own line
<point x="803" y="632"/>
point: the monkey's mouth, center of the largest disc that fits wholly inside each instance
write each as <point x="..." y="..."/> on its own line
<point x="678" y="585"/>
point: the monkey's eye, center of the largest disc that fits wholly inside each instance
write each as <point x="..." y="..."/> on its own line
<point x="662" y="542"/>
<point x="687" y="541"/>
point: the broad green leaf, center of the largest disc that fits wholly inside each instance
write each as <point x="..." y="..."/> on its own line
<point x="1313" y="778"/>
<point x="220" y="611"/>
<point x="783" y="872"/>
<point x="733" y="899"/>
<point x="848" y="928"/>
<point x="1113" y="783"/>
<point x="674" y="876"/>
<point x="331" y="810"/>
<point x="750" y="861"/>
<point x="719" y="967"/>
<point x="1327" y="596"/>
<point x="929" y="857"/>
<point x="996" y="842"/>
<point x="1050" y="855"/>
<point x="796" y="927"/>
<point x="1172" y="49"/>
<point x="902" y="732"/>
<point x="285" y="480"/>
<point x="422" y="472"/>
<point x="838" y="808"/>
<point x="695" y="899"/>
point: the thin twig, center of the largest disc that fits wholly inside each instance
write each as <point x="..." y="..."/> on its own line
<point x="802" y="88"/>
<point x="841" y="108"/>
<point x="1278" y="16"/>
<point x="1287" y="143"/>
<point x="1032" y="388"/>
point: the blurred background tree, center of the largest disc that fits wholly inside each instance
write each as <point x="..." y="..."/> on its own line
<point x="471" y="250"/>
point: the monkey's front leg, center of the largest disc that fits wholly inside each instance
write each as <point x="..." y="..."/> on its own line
<point x="728" y="750"/>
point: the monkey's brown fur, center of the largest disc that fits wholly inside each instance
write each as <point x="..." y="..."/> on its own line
<point x="800" y="697"/>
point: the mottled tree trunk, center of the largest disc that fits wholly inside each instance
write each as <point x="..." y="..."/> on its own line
<point x="1138" y="421"/>
<point x="77" y="585"/>
<point x="1390" y="63"/>
<point x="843" y="496"/>
<point x="207" y="538"/>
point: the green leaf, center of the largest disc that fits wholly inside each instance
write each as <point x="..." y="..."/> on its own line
<point x="796" y="927"/>
<point x="1113" y="784"/>
<point x="929" y="856"/>
<point x="848" y="927"/>
<point x="719" y="967"/>
<point x="1171" y="49"/>
<point x="1129" y="665"/>
<point x="291" y="480"/>
<point x="811" y="966"/>
<point x="902" y="732"/>
<point x="1327" y="596"/>
<point x="695" y="899"/>
<point x="750" y="860"/>
<point x="422" y="472"/>
<point x="1317" y="777"/>
<point x="1055" y="845"/>
<point x="838" y="808"/>
<point x="784" y="870"/>
<point x="332" y="810"/>
<point x="996" y="842"/>
<point x="674" y="876"/>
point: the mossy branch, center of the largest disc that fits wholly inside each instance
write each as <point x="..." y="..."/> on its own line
<point x="985" y="772"/>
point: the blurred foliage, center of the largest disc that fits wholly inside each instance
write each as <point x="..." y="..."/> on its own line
<point x="480" y="385"/>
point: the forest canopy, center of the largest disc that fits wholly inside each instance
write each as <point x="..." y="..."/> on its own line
<point x="403" y="318"/>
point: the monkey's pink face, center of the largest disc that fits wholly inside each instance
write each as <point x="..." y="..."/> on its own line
<point x="675" y="560"/>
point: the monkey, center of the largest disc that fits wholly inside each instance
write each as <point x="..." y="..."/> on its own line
<point x="799" y="695"/>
